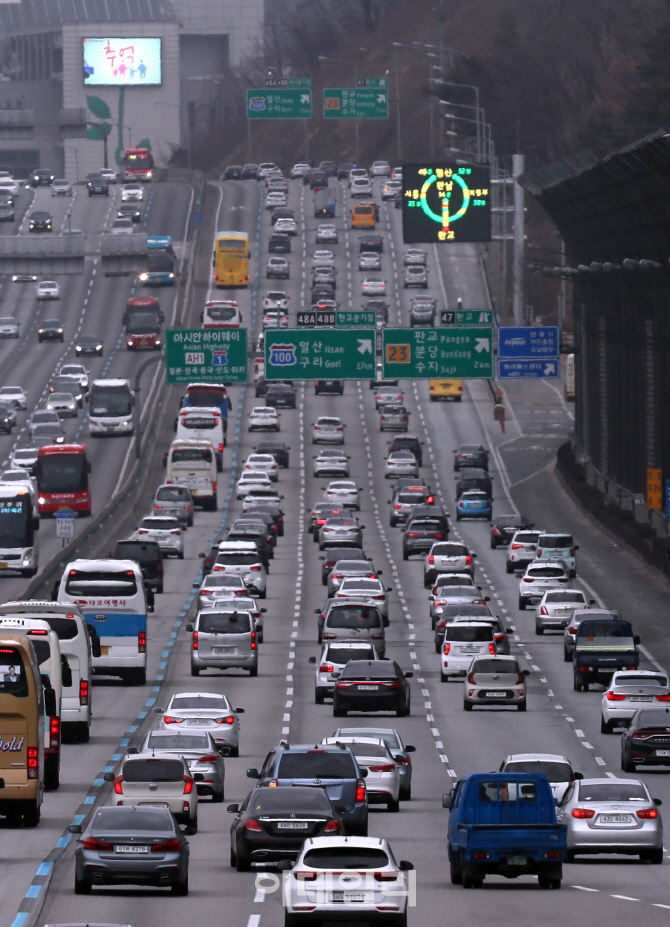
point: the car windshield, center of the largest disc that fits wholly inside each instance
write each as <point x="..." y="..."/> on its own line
<point x="495" y="666"/>
<point x="177" y="742"/>
<point x="343" y="857"/>
<point x="290" y="800"/>
<point x="225" y="623"/>
<point x="555" y="772"/>
<point x="198" y="703"/>
<point x="153" y="770"/>
<point x="456" y="611"/>
<point x="140" y="819"/>
<point x="240" y="559"/>
<point x="450" y="550"/>
<point x="599" y="632"/>
<point x="223" y="582"/>
<point x="342" y="655"/>
<point x="545" y="572"/>
<point x="659" y="718"/>
<point x="92" y="583"/>
<point x="317" y="764"/>
<point x="569" y="596"/>
<point x="359" y="749"/>
<point x="353" y="617"/>
<point x="526" y="537"/>
<point x="612" y="791"/>
<point x="470" y="635"/>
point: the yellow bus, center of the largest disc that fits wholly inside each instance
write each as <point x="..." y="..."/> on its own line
<point x="570" y="378"/>
<point x="23" y="705"/>
<point x="231" y="259"/>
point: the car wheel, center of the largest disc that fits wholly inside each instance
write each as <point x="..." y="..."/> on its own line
<point x="253" y="671"/>
<point x="191" y="829"/>
<point x="567" y="658"/>
<point x="605" y="726"/>
<point x="195" y="671"/>
<point x="456" y="871"/>
<point x="319" y="696"/>
<point x="339" y="712"/>
<point x="627" y="764"/>
<point x="180" y="888"/>
<point x="443" y="678"/>
<point x="467" y="705"/>
<point x="522" y="705"/>
<point x="242" y="864"/>
<point x="539" y="631"/>
<point x="547" y="883"/>
<point x="406" y="793"/>
<point x="522" y="604"/>
<point x="82" y="886"/>
<point x="393" y="805"/>
<point x="652" y="856"/>
<point x="509" y="567"/>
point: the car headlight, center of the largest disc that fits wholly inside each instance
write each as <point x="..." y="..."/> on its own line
<point x="98" y="347"/>
<point x="78" y="397"/>
<point x="144" y="276"/>
<point x="60" y="331"/>
<point x="171" y="276"/>
<point x="40" y="331"/>
<point x="78" y="348"/>
<point x="32" y="225"/>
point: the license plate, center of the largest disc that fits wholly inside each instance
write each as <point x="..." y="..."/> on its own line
<point x="663" y="753"/>
<point x="292" y="825"/>
<point x="495" y="694"/>
<point x="614" y="818"/>
<point x="347" y="897"/>
<point x="517" y="860"/>
<point x="223" y="650"/>
<point x="155" y="804"/>
<point x="110" y="428"/>
<point x="198" y="721"/>
<point x="640" y="698"/>
<point x="104" y="651"/>
<point x="369" y="688"/>
<point x="131" y="849"/>
<point x="470" y="649"/>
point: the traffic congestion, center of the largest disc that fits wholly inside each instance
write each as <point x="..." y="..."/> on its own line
<point x="339" y="616"/>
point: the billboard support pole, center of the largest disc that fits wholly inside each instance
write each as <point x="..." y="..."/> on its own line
<point x="519" y="234"/>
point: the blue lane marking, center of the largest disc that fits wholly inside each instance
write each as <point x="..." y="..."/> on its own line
<point x="155" y="689"/>
<point x="161" y="666"/>
<point x="142" y="714"/>
<point x="159" y="679"/>
<point x="63" y="842"/>
<point x="89" y="800"/>
<point x="124" y="742"/>
<point x="98" y="783"/>
<point x="166" y="653"/>
<point x="109" y="768"/>
<point x="78" y="818"/>
<point x="117" y="756"/>
<point x="44" y="869"/>
<point x="151" y="701"/>
<point x="20" y="919"/>
<point x="132" y="728"/>
<point x="33" y="891"/>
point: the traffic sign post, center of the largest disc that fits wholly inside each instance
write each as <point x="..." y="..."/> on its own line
<point x="437" y="352"/>
<point x="357" y="318"/>
<point x="216" y="355"/>
<point x="466" y="316"/>
<point x="65" y="524"/>
<point x="279" y="103"/>
<point x="362" y="102"/>
<point x="330" y="353"/>
<point x="530" y="352"/>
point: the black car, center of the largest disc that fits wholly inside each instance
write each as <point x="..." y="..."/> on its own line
<point x="329" y="168"/>
<point x="504" y="527"/>
<point x="149" y="557"/>
<point x="232" y="172"/>
<point x="473" y="478"/>
<point x="40" y="222"/>
<point x="332" y="387"/>
<point x="282" y="212"/>
<point x="372" y="685"/>
<point x="41" y="178"/>
<point x="317" y="179"/>
<point x="254" y="534"/>
<point x="129" y="211"/>
<point x="343" y="170"/>
<point x="278" y="449"/>
<point x="5" y="421"/>
<point x="371" y="242"/>
<point x="646" y="742"/>
<point x="272" y="824"/>
<point x="407" y="442"/>
<point x="261" y="518"/>
<point x="7" y="212"/>
<point x="471" y="455"/>
<point x="7" y="199"/>
<point x="97" y="185"/>
<point x="331" y="555"/>
<point x="322" y="291"/>
<point x="89" y="344"/>
<point x="421" y="533"/>
<point x="68" y="384"/>
<point x="279" y="243"/>
<point x="50" y="330"/>
<point x="250" y="172"/>
<point x="269" y="509"/>
<point x="280" y="396"/>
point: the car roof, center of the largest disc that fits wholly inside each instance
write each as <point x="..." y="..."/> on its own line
<point x="330" y="842"/>
<point x="540" y="757"/>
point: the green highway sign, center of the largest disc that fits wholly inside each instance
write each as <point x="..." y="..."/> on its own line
<point x="206" y="355"/>
<point x="356" y="103"/>
<point x="356" y="317"/>
<point x="279" y="103"/>
<point x="322" y="354"/>
<point x="466" y="316"/>
<point x="411" y="353"/>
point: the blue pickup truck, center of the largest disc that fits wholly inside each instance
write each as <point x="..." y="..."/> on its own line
<point x="504" y="824"/>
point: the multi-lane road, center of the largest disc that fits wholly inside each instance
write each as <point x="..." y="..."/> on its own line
<point x="279" y="703"/>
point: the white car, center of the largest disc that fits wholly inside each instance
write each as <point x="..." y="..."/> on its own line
<point x="107" y="174"/>
<point x="521" y="550"/>
<point x="264" y="418"/>
<point x="380" y="169"/>
<point x="396" y="173"/>
<point x="206" y="711"/>
<point x="556" y="608"/>
<point x="390" y="188"/>
<point x="357" y="173"/>
<point x="343" y="492"/>
<point x="540" y="576"/>
<point x="275" y="299"/>
<point x="415" y="275"/>
<point x="369" y="260"/>
<point x="382" y="782"/>
<point x="47" y="289"/>
<point x="298" y="170"/>
<point x="275" y="318"/>
<point x="122" y="227"/>
<point x="41" y="417"/>
<point x="334" y="658"/>
<point x="629" y="690"/>
<point x="328" y="868"/>
<point x="328" y="429"/>
<point x="9" y="327"/>
<point x="14" y="395"/>
<point x="23" y="458"/>
<point x="322" y="257"/>
<point x="264" y="462"/>
<point x="252" y="479"/>
<point x="326" y="234"/>
<point x="288" y="226"/>
<point x="415" y="256"/>
<point x="462" y="641"/>
<point x="275" y="198"/>
<point x="61" y="187"/>
<point x="132" y="192"/>
<point x="331" y="462"/>
<point x="261" y="497"/>
<point x="401" y="463"/>
<point x="360" y="186"/>
<point x="8" y="186"/>
<point x="166" y="530"/>
<point x="364" y="588"/>
<point x="240" y="602"/>
<point x="373" y="286"/>
<point x="557" y="768"/>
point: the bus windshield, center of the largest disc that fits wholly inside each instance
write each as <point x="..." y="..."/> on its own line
<point x="139" y="322"/>
<point x="191" y="454"/>
<point x="16" y="522"/>
<point x="110" y="400"/>
<point x="206" y="397"/>
<point x="232" y="244"/>
<point x="62" y="473"/>
<point x="101" y="583"/>
<point x="141" y="158"/>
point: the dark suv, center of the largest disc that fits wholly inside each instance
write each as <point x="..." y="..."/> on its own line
<point x="40" y="222"/>
<point x="97" y="185"/>
<point x="149" y="557"/>
<point x="471" y="455"/>
<point x="279" y="243"/>
<point x="473" y="478"/>
<point x="407" y="443"/>
<point x="280" y="396"/>
<point x="232" y="172"/>
<point x="41" y="178"/>
<point x="371" y="242"/>
<point x="335" y="387"/>
<point x="504" y="527"/>
<point x="333" y="768"/>
<point x="278" y="449"/>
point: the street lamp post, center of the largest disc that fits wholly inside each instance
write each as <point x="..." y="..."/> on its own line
<point x="356" y="121"/>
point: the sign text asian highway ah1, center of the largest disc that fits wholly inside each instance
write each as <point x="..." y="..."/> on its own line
<point x="206" y="355"/>
<point x="321" y="354"/>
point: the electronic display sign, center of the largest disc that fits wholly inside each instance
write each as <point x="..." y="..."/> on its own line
<point x="446" y="202"/>
<point x="122" y="62"/>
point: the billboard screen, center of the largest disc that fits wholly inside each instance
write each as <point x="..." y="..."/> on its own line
<point x="446" y="202"/>
<point x="122" y="62"/>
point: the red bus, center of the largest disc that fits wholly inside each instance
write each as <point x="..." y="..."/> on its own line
<point x="138" y="164"/>
<point x="142" y="319"/>
<point x="62" y="479"/>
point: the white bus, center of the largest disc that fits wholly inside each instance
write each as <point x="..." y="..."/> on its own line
<point x="111" y="408"/>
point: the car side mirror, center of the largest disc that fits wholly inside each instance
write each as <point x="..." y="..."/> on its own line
<point x="312" y="660"/>
<point x="189" y="627"/>
<point x="264" y="611"/>
<point x="446" y="801"/>
<point x="576" y="776"/>
<point x="380" y="572"/>
<point x="576" y="546"/>
<point x="509" y="630"/>
<point x="202" y="556"/>
<point x="239" y="711"/>
<point x="109" y="777"/>
<point x="658" y="802"/>
<point x="487" y="598"/>
<point x="473" y="554"/>
<point x="592" y="601"/>
<point x="409" y="674"/>
<point x="75" y="828"/>
<point x="252" y="773"/>
<point x="158" y="711"/>
<point x="284" y="865"/>
<point x="233" y="809"/>
<point x="636" y="639"/>
<point x="526" y="673"/>
<point x="404" y="865"/>
<point x="131" y="751"/>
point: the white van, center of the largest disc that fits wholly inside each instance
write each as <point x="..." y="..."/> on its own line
<point x="193" y="464"/>
<point x="77" y="644"/>
<point x="52" y="664"/>
<point x="202" y="423"/>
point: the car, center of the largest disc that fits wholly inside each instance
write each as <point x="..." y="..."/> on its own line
<point x="275" y="299"/>
<point x="415" y="275"/>
<point x="521" y="549"/>
<point x="459" y="609"/>
<point x="232" y="172"/>
<point x="319" y="513"/>
<point x="324" y="274"/>
<point x="400" y="463"/>
<point x="279" y="243"/>
<point x="265" y="462"/>
<point x="24" y="278"/>
<point x="390" y="189"/>
<point x="629" y="690"/>
<point x="328" y="429"/>
<point x="7" y="212"/>
<point x="343" y="170"/>
<point x="646" y="741"/>
<point x="14" y="395"/>
<point x="9" y="187"/>
<point x="333" y="555"/>
<point x="352" y="620"/>
<point x="557" y="768"/>
<point x="281" y="396"/>
<point x="445" y="390"/>
<point x="50" y="330"/>
<point x="108" y="174"/>
<point x="260" y="496"/>
<point x="323" y="296"/>
<point x="558" y="546"/>
<point x="89" y="344"/>
<point x="205" y="764"/>
<point x="329" y="387"/>
<point x="40" y="221"/>
<point x="373" y="286"/>
<point x="275" y="198"/>
<point x="365" y="589"/>
<point x="132" y="192"/>
<point x="407" y="442"/>
<point x="129" y="211"/>
<point x="579" y="615"/>
<point x="272" y="824"/>
<point x="206" y="711"/>
<point x="388" y="396"/>
<point x="278" y="449"/>
<point x="448" y="557"/>
<point x="474" y="504"/>
<point x="263" y="418"/>
<point x="61" y="187"/>
<point x="227" y="600"/>
<point x="266" y="168"/>
<point x="333" y="659"/>
<point x="64" y="405"/>
<point x="77" y="372"/>
<point x="164" y="780"/>
<point x="357" y="173"/>
<point x="556" y="607"/>
<point x="360" y="186"/>
<point x="451" y="589"/>
<point x="9" y="327"/>
<point x="218" y="584"/>
<point x="21" y="480"/>
<point x="286" y="226"/>
<point x="344" y="493"/>
<point x="331" y="462"/>
<point x="326" y="234"/>
<point x="460" y="643"/>
<point x="40" y="417"/>
<point x="316" y="179"/>
<point x="24" y="458"/>
<point x="393" y="418"/>
<point x="329" y="167"/>
<point x="471" y="455"/>
<point x="98" y="186"/>
<point x="47" y="289"/>
<point x="6" y="425"/>
<point x="148" y="556"/>
<point x="246" y="557"/>
<point x="278" y="267"/>
<point x="250" y="172"/>
<point x="612" y="816"/>
<point x="340" y="529"/>
<point x="369" y="260"/>
<point x="8" y="410"/>
<point x="344" y="566"/>
<point x="495" y="680"/>
<point x="166" y="531"/>
<point x="128" y="854"/>
<point x="299" y="169"/>
<point x="549" y="574"/>
<point x="251" y="479"/>
<point x="504" y="527"/>
<point x="422" y="311"/>
<point x="176" y="501"/>
<point x="257" y="506"/>
<point x="224" y="637"/>
<point x="41" y="178"/>
<point x="122" y="227"/>
<point x="405" y="499"/>
<point x="415" y="256"/>
<point x="382" y="772"/>
<point x="380" y="169"/>
<point x="371" y="685"/>
<point x="421" y="533"/>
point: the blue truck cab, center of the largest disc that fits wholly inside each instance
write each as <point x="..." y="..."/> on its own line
<point x="504" y="824"/>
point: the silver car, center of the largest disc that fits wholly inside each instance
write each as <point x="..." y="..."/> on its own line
<point x="400" y="750"/>
<point x="166" y="530"/>
<point x="278" y="267"/>
<point x="448" y="557"/>
<point x="328" y="429"/>
<point x="388" y="396"/>
<point x="382" y="783"/>
<point x="629" y="690"/>
<point x="346" y="569"/>
<point x="557" y="768"/>
<point x="612" y="816"/>
<point x="521" y="550"/>
<point x="373" y="286"/>
<point x="415" y="256"/>
<point x="400" y="463"/>
<point x="231" y="600"/>
<point x="40" y="417"/>
<point x="365" y="589"/>
<point x="415" y="275"/>
<point x="334" y="657"/>
<point x="326" y="233"/>
<point x="340" y="529"/>
<point x="206" y="711"/>
<point x="393" y="418"/>
<point x="344" y="493"/>
<point x="9" y="327"/>
<point x="538" y="578"/>
<point x="199" y="750"/>
<point x="174" y="500"/>
<point x="495" y="681"/>
<point x="354" y="621"/>
<point x="331" y="462"/>
<point x="369" y="260"/>
<point x="219" y="584"/>
<point x="131" y="846"/>
<point x="556" y="607"/>
<point x="224" y="638"/>
<point x="63" y="404"/>
<point x="453" y="594"/>
<point x="61" y="187"/>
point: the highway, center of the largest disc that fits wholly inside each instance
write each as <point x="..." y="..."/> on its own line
<point x="279" y="703"/>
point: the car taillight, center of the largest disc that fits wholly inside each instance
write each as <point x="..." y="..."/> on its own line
<point x="188" y="785"/>
<point x="431" y="559"/>
<point x="572" y="630"/>
<point x="528" y="579"/>
<point x="343" y="685"/>
<point x="539" y="551"/>
<point x="468" y="559"/>
<point x="332" y="827"/>
<point x="253" y="826"/>
<point x="495" y="531"/>
<point x="544" y="610"/>
<point x="168" y="719"/>
<point x="461" y="505"/>
<point x="572" y="551"/>
<point x="142" y="642"/>
<point x="360" y="790"/>
<point x="118" y="785"/>
<point x="326" y="668"/>
<point x="328" y="637"/>
<point x="583" y="812"/>
<point x="336" y="576"/>
<point x="214" y="487"/>
<point x="492" y="649"/>
<point x="175" y="531"/>
<point x="471" y="679"/>
<point x="663" y="698"/>
<point x="166" y="846"/>
<point x="195" y="640"/>
<point x="229" y="719"/>
<point x="397" y="506"/>
<point x="305" y="876"/>
<point x="386" y="767"/>
<point x="90" y="843"/>
<point x="520" y="679"/>
<point x="254" y="643"/>
<point x="273" y="783"/>
<point x="143" y="531"/>
<point x="256" y="569"/>
<point x="33" y="759"/>
<point x="615" y="697"/>
<point x="206" y="592"/>
<point x="647" y="813"/>
<point x="54" y="733"/>
<point x="220" y="448"/>
<point x="412" y="534"/>
<point x="83" y="692"/>
<point x="386" y="876"/>
<point x="562" y="579"/>
<point x="210" y="758"/>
